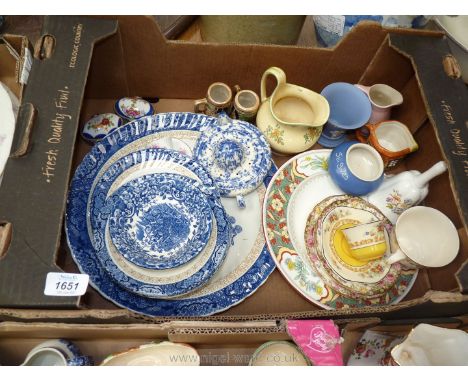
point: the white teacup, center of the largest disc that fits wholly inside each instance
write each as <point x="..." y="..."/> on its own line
<point x="426" y="238"/>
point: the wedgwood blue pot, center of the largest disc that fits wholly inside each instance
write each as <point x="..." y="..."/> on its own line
<point x="356" y="168"/>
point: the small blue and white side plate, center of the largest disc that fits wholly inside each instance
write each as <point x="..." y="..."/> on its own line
<point x="131" y="108"/>
<point x="100" y="125"/>
<point x="161" y="222"/>
<point x="236" y="154"/>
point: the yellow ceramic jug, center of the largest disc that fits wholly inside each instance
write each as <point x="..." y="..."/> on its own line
<point x="292" y="117"/>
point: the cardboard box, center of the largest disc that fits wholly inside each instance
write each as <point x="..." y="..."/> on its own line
<point x="137" y="60"/>
<point x="218" y="344"/>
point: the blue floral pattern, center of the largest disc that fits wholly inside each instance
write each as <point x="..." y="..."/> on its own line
<point x="84" y="253"/>
<point x="160" y="225"/>
<point x="236" y="154"/>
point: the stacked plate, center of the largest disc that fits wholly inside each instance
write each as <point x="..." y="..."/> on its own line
<point x="146" y="220"/>
<point x="303" y="214"/>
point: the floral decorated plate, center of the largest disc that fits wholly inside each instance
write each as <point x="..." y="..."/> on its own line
<point x="375" y="282"/>
<point x="131" y="108"/>
<point x="100" y="125"/>
<point x="248" y="263"/>
<point x="160" y="223"/>
<point x="236" y="154"/>
<point x="294" y="265"/>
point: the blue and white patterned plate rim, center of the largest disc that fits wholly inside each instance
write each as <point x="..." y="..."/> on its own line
<point x="81" y="246"/>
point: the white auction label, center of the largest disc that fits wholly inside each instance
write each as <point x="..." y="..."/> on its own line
<point x="66" y="284"/>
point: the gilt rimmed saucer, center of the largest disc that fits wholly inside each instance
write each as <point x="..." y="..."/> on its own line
<point x="248" y="263"/>
<point x="372" y="281"/>
<point x="161" y="225"/>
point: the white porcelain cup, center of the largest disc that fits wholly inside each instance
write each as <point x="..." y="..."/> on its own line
<point x="426" y="238"/>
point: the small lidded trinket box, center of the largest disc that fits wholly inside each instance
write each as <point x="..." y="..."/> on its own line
<point x="131" y="108"/>
<point x="100" y="125"/>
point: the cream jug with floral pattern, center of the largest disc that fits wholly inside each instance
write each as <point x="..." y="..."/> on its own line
<point x="292" y="117"/>
<point x="404" y="190"/>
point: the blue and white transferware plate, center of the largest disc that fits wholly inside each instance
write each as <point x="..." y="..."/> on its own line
<point x="236" y="154"/>
<point x="131" y="108"/>
<point x="167" y="282"/>
<point x="160" y="225"/>
<point x="154" y="283"/>
<point x="100" y="125"/>
<point x="247" y="265"/>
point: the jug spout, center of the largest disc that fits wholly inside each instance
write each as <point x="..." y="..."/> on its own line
<point x="424" y="178"/>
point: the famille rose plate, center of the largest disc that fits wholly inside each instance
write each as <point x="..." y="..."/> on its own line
<point x="297" y="187"/>
<point x="374" y="282"/>
<point x="248" y="262"/>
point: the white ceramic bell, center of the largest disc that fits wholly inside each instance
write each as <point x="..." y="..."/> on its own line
<point x="429" y="345"/>
<point x="404" y="190"/>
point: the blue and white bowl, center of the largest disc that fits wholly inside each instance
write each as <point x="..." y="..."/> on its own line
<point x="356" y="168"/>
<point x="58" y="352"/>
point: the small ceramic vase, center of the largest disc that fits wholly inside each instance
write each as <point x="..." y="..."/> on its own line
<point x="218" y="99"/>
<point x="236" y="155"/>
<point x="350" y="109"/>
<point x="100" y="125"/>
<point x="404" y="190"/>
<point x="156" y="354"/>
<point x="130" y="108"/>
<point x="382" y="98"/>
<point x="356" y="168"/>
<point x="292" y="117"/>
<point x="426" y="238"/>
<point x="56" y="353"/>
<point x="246" y="103"/>
<point x="429" y="345"/>
<point x="279" y="353"/>
<point x="392" y="139"/>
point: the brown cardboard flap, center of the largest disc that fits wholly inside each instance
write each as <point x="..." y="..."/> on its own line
<point x="24" y="124"/>
<point x="33" y="192"/>
<point x="445" y="99"/>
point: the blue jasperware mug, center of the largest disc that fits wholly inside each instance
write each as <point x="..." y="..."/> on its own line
<point x="356" y="168"/>
<point x="350" y="109"/>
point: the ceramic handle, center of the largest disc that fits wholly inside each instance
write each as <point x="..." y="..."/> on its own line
<point x="436" y="170"/>
<point x="200" y="105"/>
<point x="280" y="78"/>
<point x="396" y="257"/>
